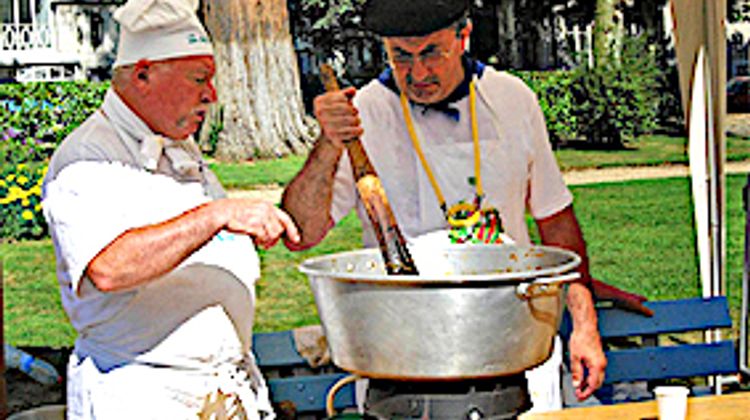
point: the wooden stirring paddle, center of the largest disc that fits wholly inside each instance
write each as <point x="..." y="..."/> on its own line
<point x="396" y="256"/>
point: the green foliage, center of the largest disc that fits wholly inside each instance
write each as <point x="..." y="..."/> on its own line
<point x="20" y="201"/>
<point x="217" y="125"/>
<point x="553" y="91"/>
<point x="617" y="100"/>
<point x="738" y="11"/>
<point x="669" y="115"/>
<point x="36" y="117"/>
<point x="333" y="11"/>
<point x="613" y="104"/>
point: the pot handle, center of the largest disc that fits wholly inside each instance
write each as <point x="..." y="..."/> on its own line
<point x="545" y="285"/>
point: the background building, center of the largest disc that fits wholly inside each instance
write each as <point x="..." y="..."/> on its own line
<point x="45" y="40"/>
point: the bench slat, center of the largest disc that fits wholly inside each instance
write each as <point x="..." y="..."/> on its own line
<point x="669" y="316"/>
<point x="308" y="393"/>
<point x="651" y="363"/>
<point x="276" y="349"/>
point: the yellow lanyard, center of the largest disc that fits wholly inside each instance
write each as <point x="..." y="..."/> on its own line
<point x="426" y="166"/>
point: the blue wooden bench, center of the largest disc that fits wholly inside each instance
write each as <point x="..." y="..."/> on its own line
<point x="636" y="348"/>
<point x="297" y="390"/>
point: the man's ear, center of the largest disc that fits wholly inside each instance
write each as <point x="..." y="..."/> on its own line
<point x="141" y="72"/>
<point x="469" y="26"/>
<point x="464" y="35"/>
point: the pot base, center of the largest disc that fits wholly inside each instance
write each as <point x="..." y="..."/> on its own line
<point x="492" y="377"/>
<point x="499" y="398"/>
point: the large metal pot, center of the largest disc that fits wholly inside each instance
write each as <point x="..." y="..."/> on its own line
<point x="493" y="311"/>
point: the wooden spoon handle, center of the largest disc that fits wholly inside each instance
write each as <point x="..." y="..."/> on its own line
<point x="392" y="244"/>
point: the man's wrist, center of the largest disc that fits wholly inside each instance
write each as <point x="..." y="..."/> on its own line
<point x="214" y="214"/>
<point x="325" y="160"/>
<point x="581" y="307"/>
<point x="329" y="147"/>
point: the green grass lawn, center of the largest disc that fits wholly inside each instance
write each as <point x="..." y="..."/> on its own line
<point x="639" y="233"/>
<point x="647" y="151"/>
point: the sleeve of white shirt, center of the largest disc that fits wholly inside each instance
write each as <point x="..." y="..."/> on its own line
<point x="548" y="193"/>
<point x="89" y="204"/>
<point x="344" y="189"/>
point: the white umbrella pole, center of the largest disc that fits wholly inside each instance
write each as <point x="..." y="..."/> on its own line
<point x="698" y="156"/>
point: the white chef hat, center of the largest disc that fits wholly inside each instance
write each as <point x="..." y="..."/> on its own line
<point x="160" y="29"/>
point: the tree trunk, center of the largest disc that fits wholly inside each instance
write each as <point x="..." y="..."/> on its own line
<point x="510" y="53"/>
<point x="604" y="30"/>
<point x="260" y="102"/>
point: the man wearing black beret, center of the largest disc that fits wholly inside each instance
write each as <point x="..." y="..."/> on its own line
<point x="441" y="129"/>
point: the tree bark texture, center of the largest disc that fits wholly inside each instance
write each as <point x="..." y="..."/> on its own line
<point x="604" y="30"/>
<point x="510" y="54"/>
<point x="260" y="101"/>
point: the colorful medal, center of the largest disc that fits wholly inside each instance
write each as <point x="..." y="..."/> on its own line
<point x="472" y="226"/>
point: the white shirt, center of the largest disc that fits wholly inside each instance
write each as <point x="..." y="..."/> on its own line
<point x="519" y="171"/>
<point x="179" y="336"/>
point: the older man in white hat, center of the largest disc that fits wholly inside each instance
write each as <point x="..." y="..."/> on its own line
<point x="156" y="267"/>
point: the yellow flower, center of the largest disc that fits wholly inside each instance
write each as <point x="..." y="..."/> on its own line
<point x="25" y="202"/>
<point x="3" y="183"/>
<point x="36" y="190"/>
<point x="10" y="177"/>
<point x="21" y="166"/>
<point x="38" y="207"/>
<point x="27" y="215"/>
<point x="23" y="179"/>
<point x="15" y="192"/>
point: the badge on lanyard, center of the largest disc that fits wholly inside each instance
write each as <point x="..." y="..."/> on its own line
<point x="472" y="223"/>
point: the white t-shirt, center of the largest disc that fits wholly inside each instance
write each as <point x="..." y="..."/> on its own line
<point x="518" y="169"/>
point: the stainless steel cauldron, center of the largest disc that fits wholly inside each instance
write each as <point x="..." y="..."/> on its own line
<point x="493" y="310"/>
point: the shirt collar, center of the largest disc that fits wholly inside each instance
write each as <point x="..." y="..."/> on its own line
<point x="471" y="67"/>
<point x="123" y="117"/>
<point x="183" y="155"/>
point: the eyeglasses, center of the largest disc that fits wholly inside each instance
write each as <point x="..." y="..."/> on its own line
<point x="429" y="57"/>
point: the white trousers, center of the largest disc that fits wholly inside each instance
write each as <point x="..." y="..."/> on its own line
<point x="545" y="386"/>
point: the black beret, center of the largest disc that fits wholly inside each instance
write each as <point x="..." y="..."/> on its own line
<point x="411" y="17"/>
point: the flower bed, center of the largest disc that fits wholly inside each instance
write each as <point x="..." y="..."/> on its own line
<point x="21" y="201"/>
<point x="35" y="117"/>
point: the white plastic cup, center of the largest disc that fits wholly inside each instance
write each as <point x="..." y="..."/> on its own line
<point x="672" y="402"/>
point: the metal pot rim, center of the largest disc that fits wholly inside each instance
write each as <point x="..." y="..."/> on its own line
<point x="308" y="267"/>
